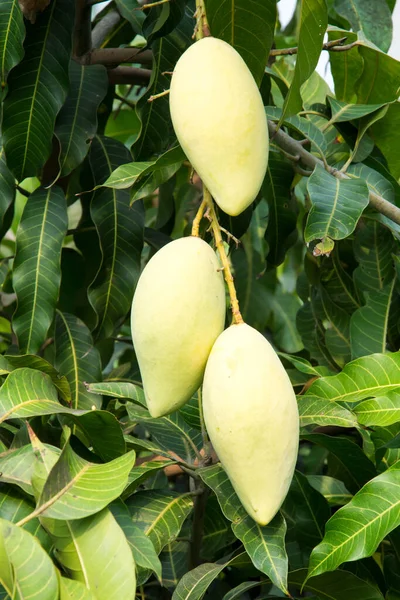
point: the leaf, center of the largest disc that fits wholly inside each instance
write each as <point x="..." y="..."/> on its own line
<point x="73" y="590"/>
<point x="37" y="89"/>
<point x="25" y="566"/>
<point x="7" y="185"/>
<point x="103" y="432"/>
<point x="332" y="489"/>
<point x="345" y="111"/>
<point x="14" y="506"/>
<point x="369" y="324"/>
<point x="141" y="546"/>
<point x="313" y="23"/>
<point x="336" y="205"/>
<point x="282" y="216"/>
<point x="264" y="545"/>
<point x="302" y="126"/>
<point x="76" y="122"/>
<point x="126" y="175"/>
<point x="373" y="375"/>
<point x="337" y="322"/>
<point x="380" y="78"/>
<point x="36" y="271"/>
<point x="77" y="488"/>
<point x="120" y="229"/>
<point x="12" y="33"/>
<point x="357" y="469"/>
<point x="386" y="135"/>
<point x="159" y="514"/>
<point x="284" y="310"/>
<point x="347" y="67"/>
<point x="315" y="411"/>
<point x="194" y="584"/>
<point x="372" y="249"/>
<point x="217" y="530"/>
<point x="381" y="411"/>
<point x="161" y="20"/>
<point x="128" y="10"/>
<point x="247" y="26"/>
<point x="17" y="466"/>
<point x="118" y="389"/>
<point x="95" y="552"/>
<point x="340" y="585"/>
<point x="174" y="560"/>
<point x="356" y="530"/>
<point x="374" y="20"/>
<point x="123" y="125"/>
<point x="77" y="359"/>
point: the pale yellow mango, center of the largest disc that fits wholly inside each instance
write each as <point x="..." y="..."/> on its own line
<point x="219" y="119"/>
<point x="251" y="416"/>
<point x="178" y="311"/>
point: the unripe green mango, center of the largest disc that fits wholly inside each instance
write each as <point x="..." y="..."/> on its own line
<point x="178" y="311"/>
<point x="251" y="416"/>
<point x="219" y="119"/>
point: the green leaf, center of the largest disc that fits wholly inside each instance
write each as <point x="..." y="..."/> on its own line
<point x="386" y="135"/>
<point x="345" y="111"/>
<point x="7" y="187"/>
<point x="123" y="125"/>
<point x="380" y="412"/>
<point x="103" y="432"/>
<point x="373" y="20"/>
<point x="141" y="546"/>
<point x="17" y="466"/>
<point x="332" y="489"/>
<point x="247" y="26"/>
<point x="369" y="324"/>
<point x="315" y="411"/>
<point x="95" y="552"/>
<point x="313" y="23"/>
<point x="159" y="514"/>
<point x="337" y="322"/>
<point x="36" y="271"/>
<point x="25" y="566"/>
<point x="282" y="216"/>
<point x="356" y="530"/>
<point x="77" y="488"/>
<point x="161" y="20"/>
<point x="120" y="229"/>
<point x="77" y="359"/>
<point x="74" y="590"/>
<point x="347" y="67"/>
<point x="126" y="175"/>
<point x="357" y="469"/>
<point x="364" y="377"/>
<point x="264" y="545"/>
<point x="340" y="585"/>
<point x="12" y="33"/>
<point x="284" y="308"/>
<point x="380" y="79"/>
<point x="14" y="507"/>
<point x="37" y="89"/>
<point x="336" y="205"/>
<point x="128" y="9"/>
<point x="174" y="560"/>
<point x="217" y="530"/>
<point x="301" y="125"/>
<point x="76" y="122"/>
<point x="194" y="584"/>
<point x="373" y="248"/>
<point x="118" y="389"/>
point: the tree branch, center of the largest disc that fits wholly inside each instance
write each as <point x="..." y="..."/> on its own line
<point x="129" y="76"/>
<point x="333" y="46"/>
<point x="103" y="27"/>
<point x="116" y="56"/>
<point x="83" y="28"/>
<point x="291" y="146"/>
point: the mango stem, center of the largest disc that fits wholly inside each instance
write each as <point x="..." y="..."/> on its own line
<point x="198" y="218"/>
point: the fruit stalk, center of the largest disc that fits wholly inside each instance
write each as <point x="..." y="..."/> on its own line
<point x="198" y="218"/>
<point x="216" y="230"/>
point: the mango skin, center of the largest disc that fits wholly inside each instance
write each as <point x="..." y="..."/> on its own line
<point x="251" y="416"/>
<point x="219" y="119"/>
<point x="178" y="311"/>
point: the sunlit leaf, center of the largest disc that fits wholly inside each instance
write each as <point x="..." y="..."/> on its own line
<point x="316" y="411"/>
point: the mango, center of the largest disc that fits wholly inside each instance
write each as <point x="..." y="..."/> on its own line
<point x="251" y="416"/>
<point x="178" y="311"/>
<point x="220" y="122"/>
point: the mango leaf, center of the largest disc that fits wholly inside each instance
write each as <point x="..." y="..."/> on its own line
<point x="159" y="514"/>
<point x="385" y="135"/>
<point x="118" y="389"/>
<point x="161" y="20"/>
<point x="340" y="585"/>
<point x="345" y="111"/>
<point x="347" y="67"/>
<point x="24" y="565"/>
<point x="14" y="506"/>
<point x="12" y="33"/>
<point x="315" y="411"/>
<point x="76" y="122"/>
<point x="217" y="530"/>
<point x="357" y="469"/>
<point x="376" y="182"/>
<point x="36" y="270"/>
<point x="17" y="466"/>
<point x="194" y="584"/>
<point x="332" y="489"/>
<point x="381" y="411"/>
<point x="73" y="590"/>
<point x="282" y="216"/>
<point x="284" y="310"/>
<point x="302" y="126"/>
<point x="127" y="174"/>
<point x="120" y="229"/>
<point x="141" y="546"/>
<point x="102" y="431"/>
<point x="128" y="9"/>
<point x="77" y="359"/>
<point x="337" y="334"/>
<point x="374" y="21"/>
<point x="7" y="187"/>
<point x="373" y="248"/>
<point x="16" y="361"/>
<point x="37" y="89"/>
<point x="77" y="488"/>
<point x="92" y="549"/>
<point x="313" y="23"/>
<point x="174" y="561"/>
<point x="356" y="529"/>
<point x="380" y="78"/>
<point x="365" y="377"/>
<point x="264" y="545"/>
<point x="141" y="472"/>
<point x="248" y="27"/>
<point x="336" y="205"/>
<point x="369" y="324"/>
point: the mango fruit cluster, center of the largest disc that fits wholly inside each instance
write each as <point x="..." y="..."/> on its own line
<point x="179" y="307"/>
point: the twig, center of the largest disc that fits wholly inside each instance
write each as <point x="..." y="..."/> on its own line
<point x="129" y="75"/>
<point x="103" y="27"/>
<point x="151" y="4"/>
<point x="22" y="191"/>
<point x="288" y="144"/>
<point x="156" y="96"/>
<point x="198" y="218"/>
<point x="83" y="28"/>
<point x="125" y="101"/>
<point x="116" y="56"/>
<point x="333" y="46"/>
<point x="199" y="511"/>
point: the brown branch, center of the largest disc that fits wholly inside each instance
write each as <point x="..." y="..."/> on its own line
<point x="116" y="56"/>
<point x="291" y="146"/>
<point x="129" y="76"/>
<point x="333" y="46"/>
<point x="83" y="28"/>
<point x="103" y="27"/>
